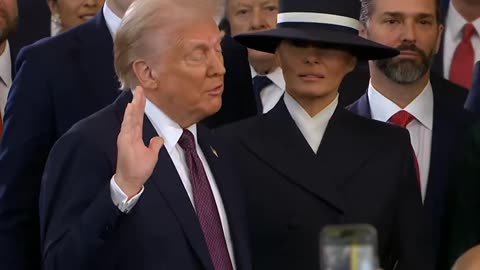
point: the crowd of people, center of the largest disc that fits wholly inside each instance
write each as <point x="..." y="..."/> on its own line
<point x="226" y="134"/>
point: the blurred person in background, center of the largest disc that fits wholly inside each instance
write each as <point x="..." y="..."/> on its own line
<point x="460" y="47"/>
<point x="247" y="16"/>
<point x="8" y="26"/>
<point x="70" y="13"/>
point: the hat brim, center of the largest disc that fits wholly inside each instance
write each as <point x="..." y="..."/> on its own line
<point x="363" y="49"/>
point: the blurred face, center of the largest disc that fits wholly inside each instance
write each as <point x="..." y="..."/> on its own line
<point x="410" y="26"/>
<point x="75" y="12"/>
<point x="312" y="71"/>
<point x="252" y="16"/>
<point x="8" y="18"/>
<point x="189" y="72"/>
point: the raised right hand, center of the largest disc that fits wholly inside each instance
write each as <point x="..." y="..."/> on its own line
<point x="135" y="161"/>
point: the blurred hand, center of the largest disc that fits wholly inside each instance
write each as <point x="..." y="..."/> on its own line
<point x="135" y="161"/>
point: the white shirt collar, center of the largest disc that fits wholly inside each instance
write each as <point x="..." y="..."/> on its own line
<point x="455" y="22"/>
<point x="312" y="128"/>
<point x="112" y="20"/>
<point x="168" y="129"/>
<point x="6" y="66"/>
<point x="276" y="77"/>
<point x="421" y="107"/>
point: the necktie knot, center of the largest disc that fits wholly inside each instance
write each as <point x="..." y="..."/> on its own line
<point x="468" y="31"/>
<point x="401" y="118"/>
<point x="260" y="82"/>
<point x="187" y="141"/>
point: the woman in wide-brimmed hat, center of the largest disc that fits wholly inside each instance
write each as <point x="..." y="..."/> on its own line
<point x="309" y="162"/>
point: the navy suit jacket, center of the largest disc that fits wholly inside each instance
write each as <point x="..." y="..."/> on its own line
<point x="60" y="81"/>
<point x="473" y="100"/>
<point x="33" y="24"/>
<point x="81" y="227"/>
<point x="363" y="172"/>
<point x="450" y="124"/>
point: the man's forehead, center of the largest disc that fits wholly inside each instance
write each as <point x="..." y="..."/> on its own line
<point x="405" y="7"/>
<point x="251" y="2"/>
<point x="199" y="41"/>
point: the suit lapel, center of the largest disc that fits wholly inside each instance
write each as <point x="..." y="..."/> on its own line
<point x="94" y="55"/>
<point x="345" y="147"/>
<point x="229" y="190"/>
<point x="167" y="181"/>
<point x="443" y="133"/>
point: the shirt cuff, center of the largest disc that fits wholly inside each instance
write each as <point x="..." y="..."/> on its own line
<point x="120" y="199"/>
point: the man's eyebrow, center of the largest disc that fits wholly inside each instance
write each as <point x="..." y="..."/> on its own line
<point x="397" y="14"/>
<point x="202" y="44"/>
<point x="393" y="14"/>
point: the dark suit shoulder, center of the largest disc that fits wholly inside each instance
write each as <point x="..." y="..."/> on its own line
<point x="233" y="130"/>
<point x="52" y="48"/>
<point x="377" y="129"/>
<point x="453" y="93"/>
<point x="100" y="128"/>
<point x="374" y="129"/>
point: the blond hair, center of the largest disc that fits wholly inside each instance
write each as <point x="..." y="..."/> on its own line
<point x="141" y="19"/>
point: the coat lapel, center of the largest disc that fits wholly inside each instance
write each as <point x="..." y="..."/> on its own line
<point x="445" y="127"/>
<point x="167" y="181"/>
<point x="229" y="190"/>
<point x="277" y="141"/>
<point x="94" y="55"/>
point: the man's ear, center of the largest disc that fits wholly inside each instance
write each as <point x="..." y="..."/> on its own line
<point x="146" y="76"/>
<point x="441" y="28"/>
<point x="363" y="31"/>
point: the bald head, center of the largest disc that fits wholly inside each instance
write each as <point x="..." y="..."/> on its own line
<point x="470" y="260"/>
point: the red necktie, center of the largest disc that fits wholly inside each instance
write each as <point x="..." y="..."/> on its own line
<point x="205" y="205"/>
<point x="403" y="118"/>
<point x="461" y="69"/>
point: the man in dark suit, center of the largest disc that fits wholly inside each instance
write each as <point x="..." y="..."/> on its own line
<point x="402" y="92"/>
<point x="33" y="24"/>
<point x="309" y="162"/>
<point x="60" y="81"/>
<point x="110" y="202"/>
<point x="459" y="49"/>
<point x="463" y="222"/>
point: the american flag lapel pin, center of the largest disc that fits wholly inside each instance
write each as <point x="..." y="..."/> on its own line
<point x="214" y="151"/>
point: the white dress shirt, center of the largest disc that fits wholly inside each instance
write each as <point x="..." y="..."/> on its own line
<point x="171" y="133"/>
<point x="271" y="94"/>
<point x="312" y="128"/>
<point x="453" y="36"/>
<point x="112" y="20"/>
<point x="5" y="77"/>
<point x="420" y="128"/>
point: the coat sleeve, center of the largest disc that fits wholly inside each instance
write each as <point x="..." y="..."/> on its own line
<point x="27" y="138"/>
<point x="76" y="210"/>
